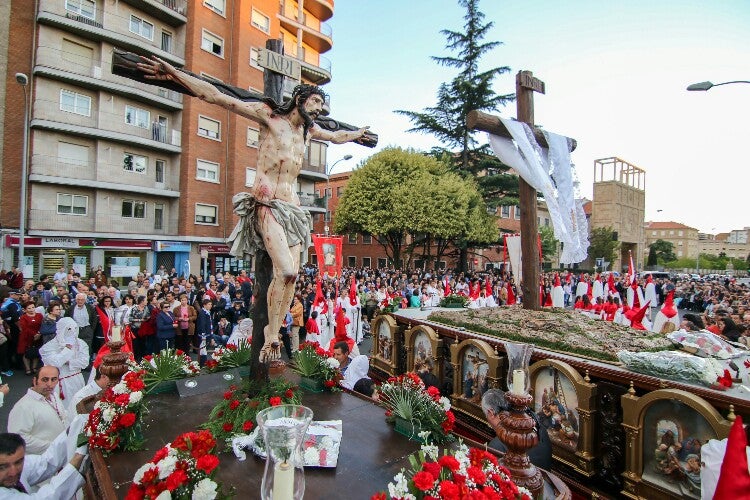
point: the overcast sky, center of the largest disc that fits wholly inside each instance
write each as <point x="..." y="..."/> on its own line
<point x="615" y="73"/>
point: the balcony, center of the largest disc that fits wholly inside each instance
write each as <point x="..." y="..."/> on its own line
<point x="48" y="115"/>
<point x="53" y="63"/>
<point x="322" y="9"/>
<point x="315" y="204"/>
<point x="113" y="30"/>
<point x="96" y="224"/>
<point x="172" y="12"/>
<point x="315" y="34"/>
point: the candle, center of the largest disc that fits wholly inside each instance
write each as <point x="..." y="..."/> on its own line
<point x="519" y="382"/>
<point x="115" y="337"/>
<point x="283" y="481"/>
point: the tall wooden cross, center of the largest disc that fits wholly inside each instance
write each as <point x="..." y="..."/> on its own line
<point x="526" y="85"/>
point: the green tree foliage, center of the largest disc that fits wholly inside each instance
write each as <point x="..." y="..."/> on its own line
<point x="398" y="193"/>
<point x="660" y="252"/>
<point x="602" y="243"/>
<point x="549" y="243"/>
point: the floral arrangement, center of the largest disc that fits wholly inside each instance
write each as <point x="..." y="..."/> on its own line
<point x="236" y="412"/>
<point x="314" y="362"/>
<point x="231" y="356"/>
<point x="405" y="397"/>
<point x="463" y="473"/>
<point x="116" y="418"/>
<point x="182" y="469"/>
<point x="169" y="364"/>
<point x="454" y="299"/>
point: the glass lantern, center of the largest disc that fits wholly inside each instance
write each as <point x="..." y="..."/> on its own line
<point x="283" y="429"/>
<point x="519" y="356"/>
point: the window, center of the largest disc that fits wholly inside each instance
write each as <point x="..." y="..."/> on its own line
<point x="137" y="117"/>
<point x="260" y="21"/>
<point x="505" y="212"/>
<point x="135" y="163"/>
<point x="517" y="212"/>
<point x="679" y="253"/>
<point x="663" y="233"/>
<point x="367" y="239"/>
<point x="339" y="191"/>
<point x="161" y="165"/>
<point x="205" y="214"/>
<point x="351" y="261"/>
<point x="328" y="192"/>
<point x="134" y="209"/>
<point x="316" y="153"/>
<point x="72" y="204"/>
<point x="141" y="27"/>
<point x="253" y="137"/>
<point x="158" y="216"/>
<point x="679" y="243"/>
<point x="381" y="263"/>
<point x="166" y="41"/>
<point x="215" y="5"/>
<point x="76" y="53"/>
<point x="653" y="233"/>
<point x="254" y="56"/>
<point x="209" y="128"/>
<point x="546" y="222"/>
<point x="212" y="43"/>
<point x="207" y="171"/>
<point x="353" y="239"/>
<point x="249" y="177"/>
<point x="73" y="102"/>
<point x="72" y="154"/>
<point x="85" y="8"/>
<point x="679" y="233"/>
<point x="366" y="261"/>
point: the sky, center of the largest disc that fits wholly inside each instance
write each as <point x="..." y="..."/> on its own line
<point x="615" y="72"/>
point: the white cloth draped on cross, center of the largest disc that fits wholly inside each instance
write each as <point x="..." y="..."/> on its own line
<point x="550" y="172"/>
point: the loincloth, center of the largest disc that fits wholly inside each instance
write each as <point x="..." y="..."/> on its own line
<point x="247" y="240"/>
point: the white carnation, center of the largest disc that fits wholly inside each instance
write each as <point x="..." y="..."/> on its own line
<point x="312" y="457"/>
<point x="135" y="397"/>
<point x="333" y="362"/>
<point x="120" y="388"/>
<point x="108" y="414"/>
<point x="166" y="466"/>
<point x="204" y="490"/>
<point x="446" y="403"/>
<point x="140" y="472"/>
<point x="164" y="495"/>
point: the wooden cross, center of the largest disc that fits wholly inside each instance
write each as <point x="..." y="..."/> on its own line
<point x="526" y="85"/>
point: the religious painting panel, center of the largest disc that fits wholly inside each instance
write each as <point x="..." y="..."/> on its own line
<point x="476" y="368"/>
<point x="385" y="345"/>
<point x="425" y="354"/>
<point x="666" y="430"/>
<point x="564" y="403"/>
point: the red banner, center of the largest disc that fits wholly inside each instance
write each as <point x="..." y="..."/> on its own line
<point x="328" y="250"/>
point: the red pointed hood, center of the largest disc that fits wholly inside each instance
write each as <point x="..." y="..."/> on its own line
<point x="488" y="287"/>
<point x="341" y="322"/>
<point x="567" y="278"/>
<point x="611" y="283"/>
<point x="637" y="317"/>
<point x="318" y="292"/>
<point x="734" y="479"/>
<point x="649" y="279"/>
<point x="668" y="309"/>
<point x="353" y="292"/>
<point x="511" y="295"/>
<point x="598" y="277"/>
<point x="557" y="280"/>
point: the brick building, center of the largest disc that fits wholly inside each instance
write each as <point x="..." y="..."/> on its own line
<point x="683" y="238"/>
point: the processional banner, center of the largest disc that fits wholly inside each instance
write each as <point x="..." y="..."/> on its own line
<point x="328" y="250"/>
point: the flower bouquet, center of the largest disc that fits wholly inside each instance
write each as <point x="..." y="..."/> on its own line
<point x="424" y="410"/>
<point x="454" y="300"/>
<point x="115" y="421"/>
<point x="169" y="364"/>
<point x="231" y="356"/>
<point x="318" y="365"/>
<point x="235" y="413"/>
<point x="182" y="469"/>
<point x="463" y="473"/>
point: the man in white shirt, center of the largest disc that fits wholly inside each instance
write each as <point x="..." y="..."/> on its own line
<point x="97" y="384"/>
<point x="39" y="417"/>
<point x="20" y="473"/>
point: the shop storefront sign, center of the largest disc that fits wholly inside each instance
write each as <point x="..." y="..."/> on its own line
<point x="214" y="248"/>
<point x="171" y="246"/>
<point x="59" y="242"/>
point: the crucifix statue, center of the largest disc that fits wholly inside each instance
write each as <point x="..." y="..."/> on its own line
<point x="271" y="219"/>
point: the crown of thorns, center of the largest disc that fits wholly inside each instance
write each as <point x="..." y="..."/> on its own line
<point x="306" y="90"/>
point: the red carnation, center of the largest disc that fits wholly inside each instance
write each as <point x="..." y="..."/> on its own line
<point x="449" y="463"/>
<point x="135" y="385"/>
<point x="176" y="479"/>
<point x="376" y="496"/>
<point x="329" y="383"/>
<point x="423" y="480"/>
<point x="289" y="394"/>
<point x="228" y="426"/>
<point x="247" y="426"/>
<point x="137" y="493"/>
<point x="150" y="475"/>
<point x="228" y="395"/>
<point x="122" y="399"/>
<point x="148" y="357"/>
<point x="126" y="420"/>
<point x="179" y="352"/>
<point x="433" y="468"/>
<point x="160" y="454"/>
<point x="433" y="391"/>
<point x="234" y="404"/>
<point x="207" y="463"/>
<point x="274" y="401"/>
<point x="211" y="364"/>
<point x="448" y="490"/>
<point x="231" y="347"/>
<point x="476" y="475"/>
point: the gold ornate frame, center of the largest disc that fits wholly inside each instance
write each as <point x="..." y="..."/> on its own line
<point x="436" y="343"/>
<point x="582" y="460"/>
<point x="378" y="361"/>
<point x="496" y="365"/>
<point x="633" y="416"/>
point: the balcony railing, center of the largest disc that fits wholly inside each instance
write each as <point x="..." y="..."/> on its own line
<point x="310" y="200"/>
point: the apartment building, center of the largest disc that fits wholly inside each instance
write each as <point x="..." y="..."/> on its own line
<point x="129" y="176"/>
<point x="683" y="238"/>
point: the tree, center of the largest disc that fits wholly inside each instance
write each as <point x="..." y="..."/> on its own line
<point x="602" y="243"/>
<point x="549" y="243"/>
<point x="398" y="193"/>
<point x="660" y="251"/>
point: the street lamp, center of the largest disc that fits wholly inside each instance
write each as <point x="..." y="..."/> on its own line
<point x="328" y="188"/>
<point x="704" y="86"/>
<point x="23" y="80"/>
